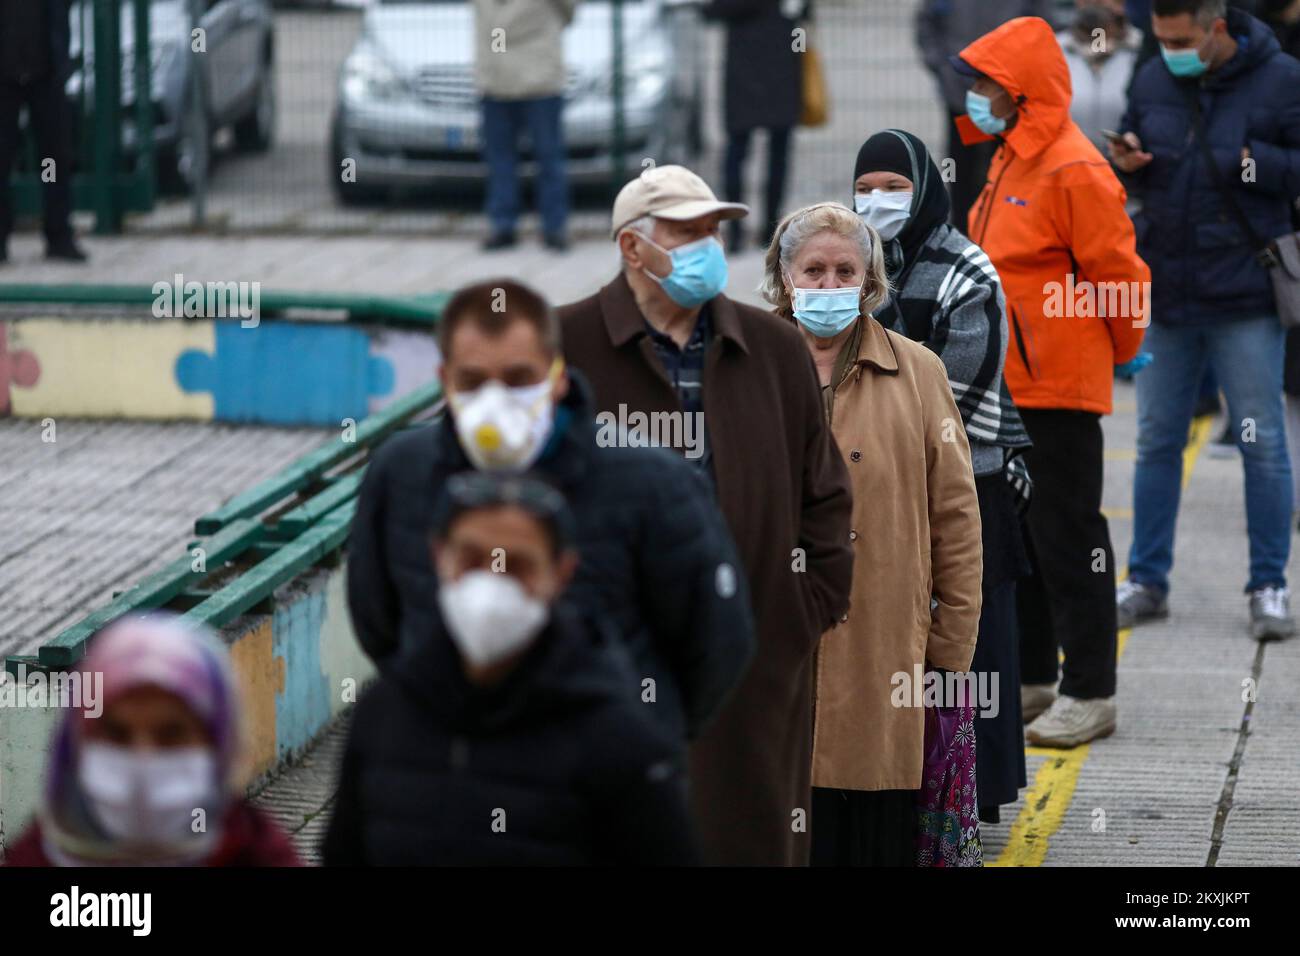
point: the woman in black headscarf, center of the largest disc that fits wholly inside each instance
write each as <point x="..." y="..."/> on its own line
<point x="946" y="294"/>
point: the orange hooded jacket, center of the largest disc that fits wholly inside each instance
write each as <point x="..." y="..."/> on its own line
<point x="1052" y="220"/>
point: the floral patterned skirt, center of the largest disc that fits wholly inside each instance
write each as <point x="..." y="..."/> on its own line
<point x="948" y="827"/>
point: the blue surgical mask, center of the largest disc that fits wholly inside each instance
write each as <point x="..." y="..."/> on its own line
<point x="980" y="110"/>
<point x="1184" y="63"/>
<point x="827" y="312"/>
<point x="699" y="271"/>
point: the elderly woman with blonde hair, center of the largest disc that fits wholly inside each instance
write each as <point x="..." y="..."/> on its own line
<point x="915" y="599"/>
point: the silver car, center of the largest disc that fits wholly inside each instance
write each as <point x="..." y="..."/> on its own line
<point x="408" y="112"/>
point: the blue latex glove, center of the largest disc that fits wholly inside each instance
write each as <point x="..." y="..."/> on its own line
<point x="1134" y="365"/>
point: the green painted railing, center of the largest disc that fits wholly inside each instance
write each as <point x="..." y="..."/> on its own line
<point x="312" y="467"/>
<point x="281" y="567"/>
<point x="269" y="550"/>
<point x="412" y="310"/>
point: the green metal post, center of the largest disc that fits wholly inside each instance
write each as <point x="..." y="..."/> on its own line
<point x="619" y="172"/>
<point x="108" y="116"/>
<point x="199" y="200"/>
<point x="144" y="145"/>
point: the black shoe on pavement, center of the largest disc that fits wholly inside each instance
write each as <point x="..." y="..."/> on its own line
<point x="65" y="250"/>
<point x="499" y="240"/>
<point x="557" y="242"/>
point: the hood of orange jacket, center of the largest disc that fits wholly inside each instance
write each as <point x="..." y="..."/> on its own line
<point x="1024" y="57"/>
<point x="1052" y="220"/>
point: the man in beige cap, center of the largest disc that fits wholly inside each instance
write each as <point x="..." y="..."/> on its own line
<point x="662" y="341"/>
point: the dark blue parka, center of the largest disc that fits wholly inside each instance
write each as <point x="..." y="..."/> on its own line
<point x="1203" y="268"/>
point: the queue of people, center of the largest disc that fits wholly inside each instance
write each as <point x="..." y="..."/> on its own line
<point x="767" y="643"/>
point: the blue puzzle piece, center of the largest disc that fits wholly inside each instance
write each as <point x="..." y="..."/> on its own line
<point x="287" y="373"/>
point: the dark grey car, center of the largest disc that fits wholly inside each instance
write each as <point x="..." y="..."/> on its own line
<point x="201" y="82"/>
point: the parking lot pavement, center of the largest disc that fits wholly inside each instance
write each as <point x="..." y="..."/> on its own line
<point x="1194" y="775"/>
<point x="375" y="264"/>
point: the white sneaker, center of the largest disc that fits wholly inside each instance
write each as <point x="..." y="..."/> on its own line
<point x="1270" y="614"/>
<point x="1036" y="698"/>
<point x="1071" y="722"/>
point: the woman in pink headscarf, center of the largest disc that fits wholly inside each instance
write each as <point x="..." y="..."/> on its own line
<point x="153" y="780"/>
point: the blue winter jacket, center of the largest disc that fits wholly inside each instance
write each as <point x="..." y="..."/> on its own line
<point x="1203" y="267"/>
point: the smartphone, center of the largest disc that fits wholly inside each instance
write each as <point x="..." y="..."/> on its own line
<point x="1116" y="138"/>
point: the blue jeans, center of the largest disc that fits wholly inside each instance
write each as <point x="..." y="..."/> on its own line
<point x="1246" y="358"/>
<point x="503" y="121"/>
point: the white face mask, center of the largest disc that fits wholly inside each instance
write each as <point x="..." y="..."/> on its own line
<point x="885" y="212"/>
<point x="149" y="797"/>
<point x="489" y="615"/>
<point x="501" y="428"/>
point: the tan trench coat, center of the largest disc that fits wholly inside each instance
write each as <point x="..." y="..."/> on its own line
<point x="915" y="534"/>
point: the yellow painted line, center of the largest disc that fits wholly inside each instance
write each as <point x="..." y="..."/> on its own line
<point x="1052" y="791"/>
<point x="1124" y="513"/>
<point x="1120" y="454"/>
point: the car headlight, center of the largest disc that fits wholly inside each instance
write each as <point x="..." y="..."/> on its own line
<point x="644" y="76"/>
<point x="367" y="76"/>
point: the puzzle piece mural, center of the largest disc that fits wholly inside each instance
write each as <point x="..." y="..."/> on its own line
<point x="287" y="373"/>
<point x="414" y="357"/>
<point x="108" y="368"/>
<point x="18" y="367"/>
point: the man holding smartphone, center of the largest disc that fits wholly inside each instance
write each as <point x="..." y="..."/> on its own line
<point x="1211" y="144"/>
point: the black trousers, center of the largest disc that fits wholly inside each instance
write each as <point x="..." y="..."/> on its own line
<point x="778" y="159"/>
<point x="863" y="828"/>
<point x="970" y="172"/>
<point x="47" y="113"/>
<point x="1068" y="602"/>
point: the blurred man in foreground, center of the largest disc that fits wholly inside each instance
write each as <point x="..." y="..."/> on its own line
<point x="508" y="736"/>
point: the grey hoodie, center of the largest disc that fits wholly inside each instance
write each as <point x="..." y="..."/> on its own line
<point x="946" y="27"/>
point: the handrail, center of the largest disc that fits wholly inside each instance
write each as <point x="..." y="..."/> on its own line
<point x="372" y="430"/>
<point x="284" y="565"/>
<point x="154" y="591"/>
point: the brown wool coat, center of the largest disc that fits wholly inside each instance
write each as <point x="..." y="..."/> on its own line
<point x="781" y="485"/>
<point x="916" y="534"/>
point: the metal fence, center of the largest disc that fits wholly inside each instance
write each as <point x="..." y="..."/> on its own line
<point x="259" y="109"/>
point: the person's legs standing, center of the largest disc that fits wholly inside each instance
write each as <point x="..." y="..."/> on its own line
<point x="1166" y="397"/>
<point x="1039" y="650"/>
<point x="501" y="152"/>
<point x="546" y="129"/>
<point x="1072" y="543"/>
<point x="47" y="109"/>
<point x="778" y="160"/>
<point x="733" y="176"/>
<point x="11" y="101"/>
<point x="1247" y="358"/>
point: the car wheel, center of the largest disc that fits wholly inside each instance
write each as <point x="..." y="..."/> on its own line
<point x="184" y="164"/>
<point x="255" y="131"/>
